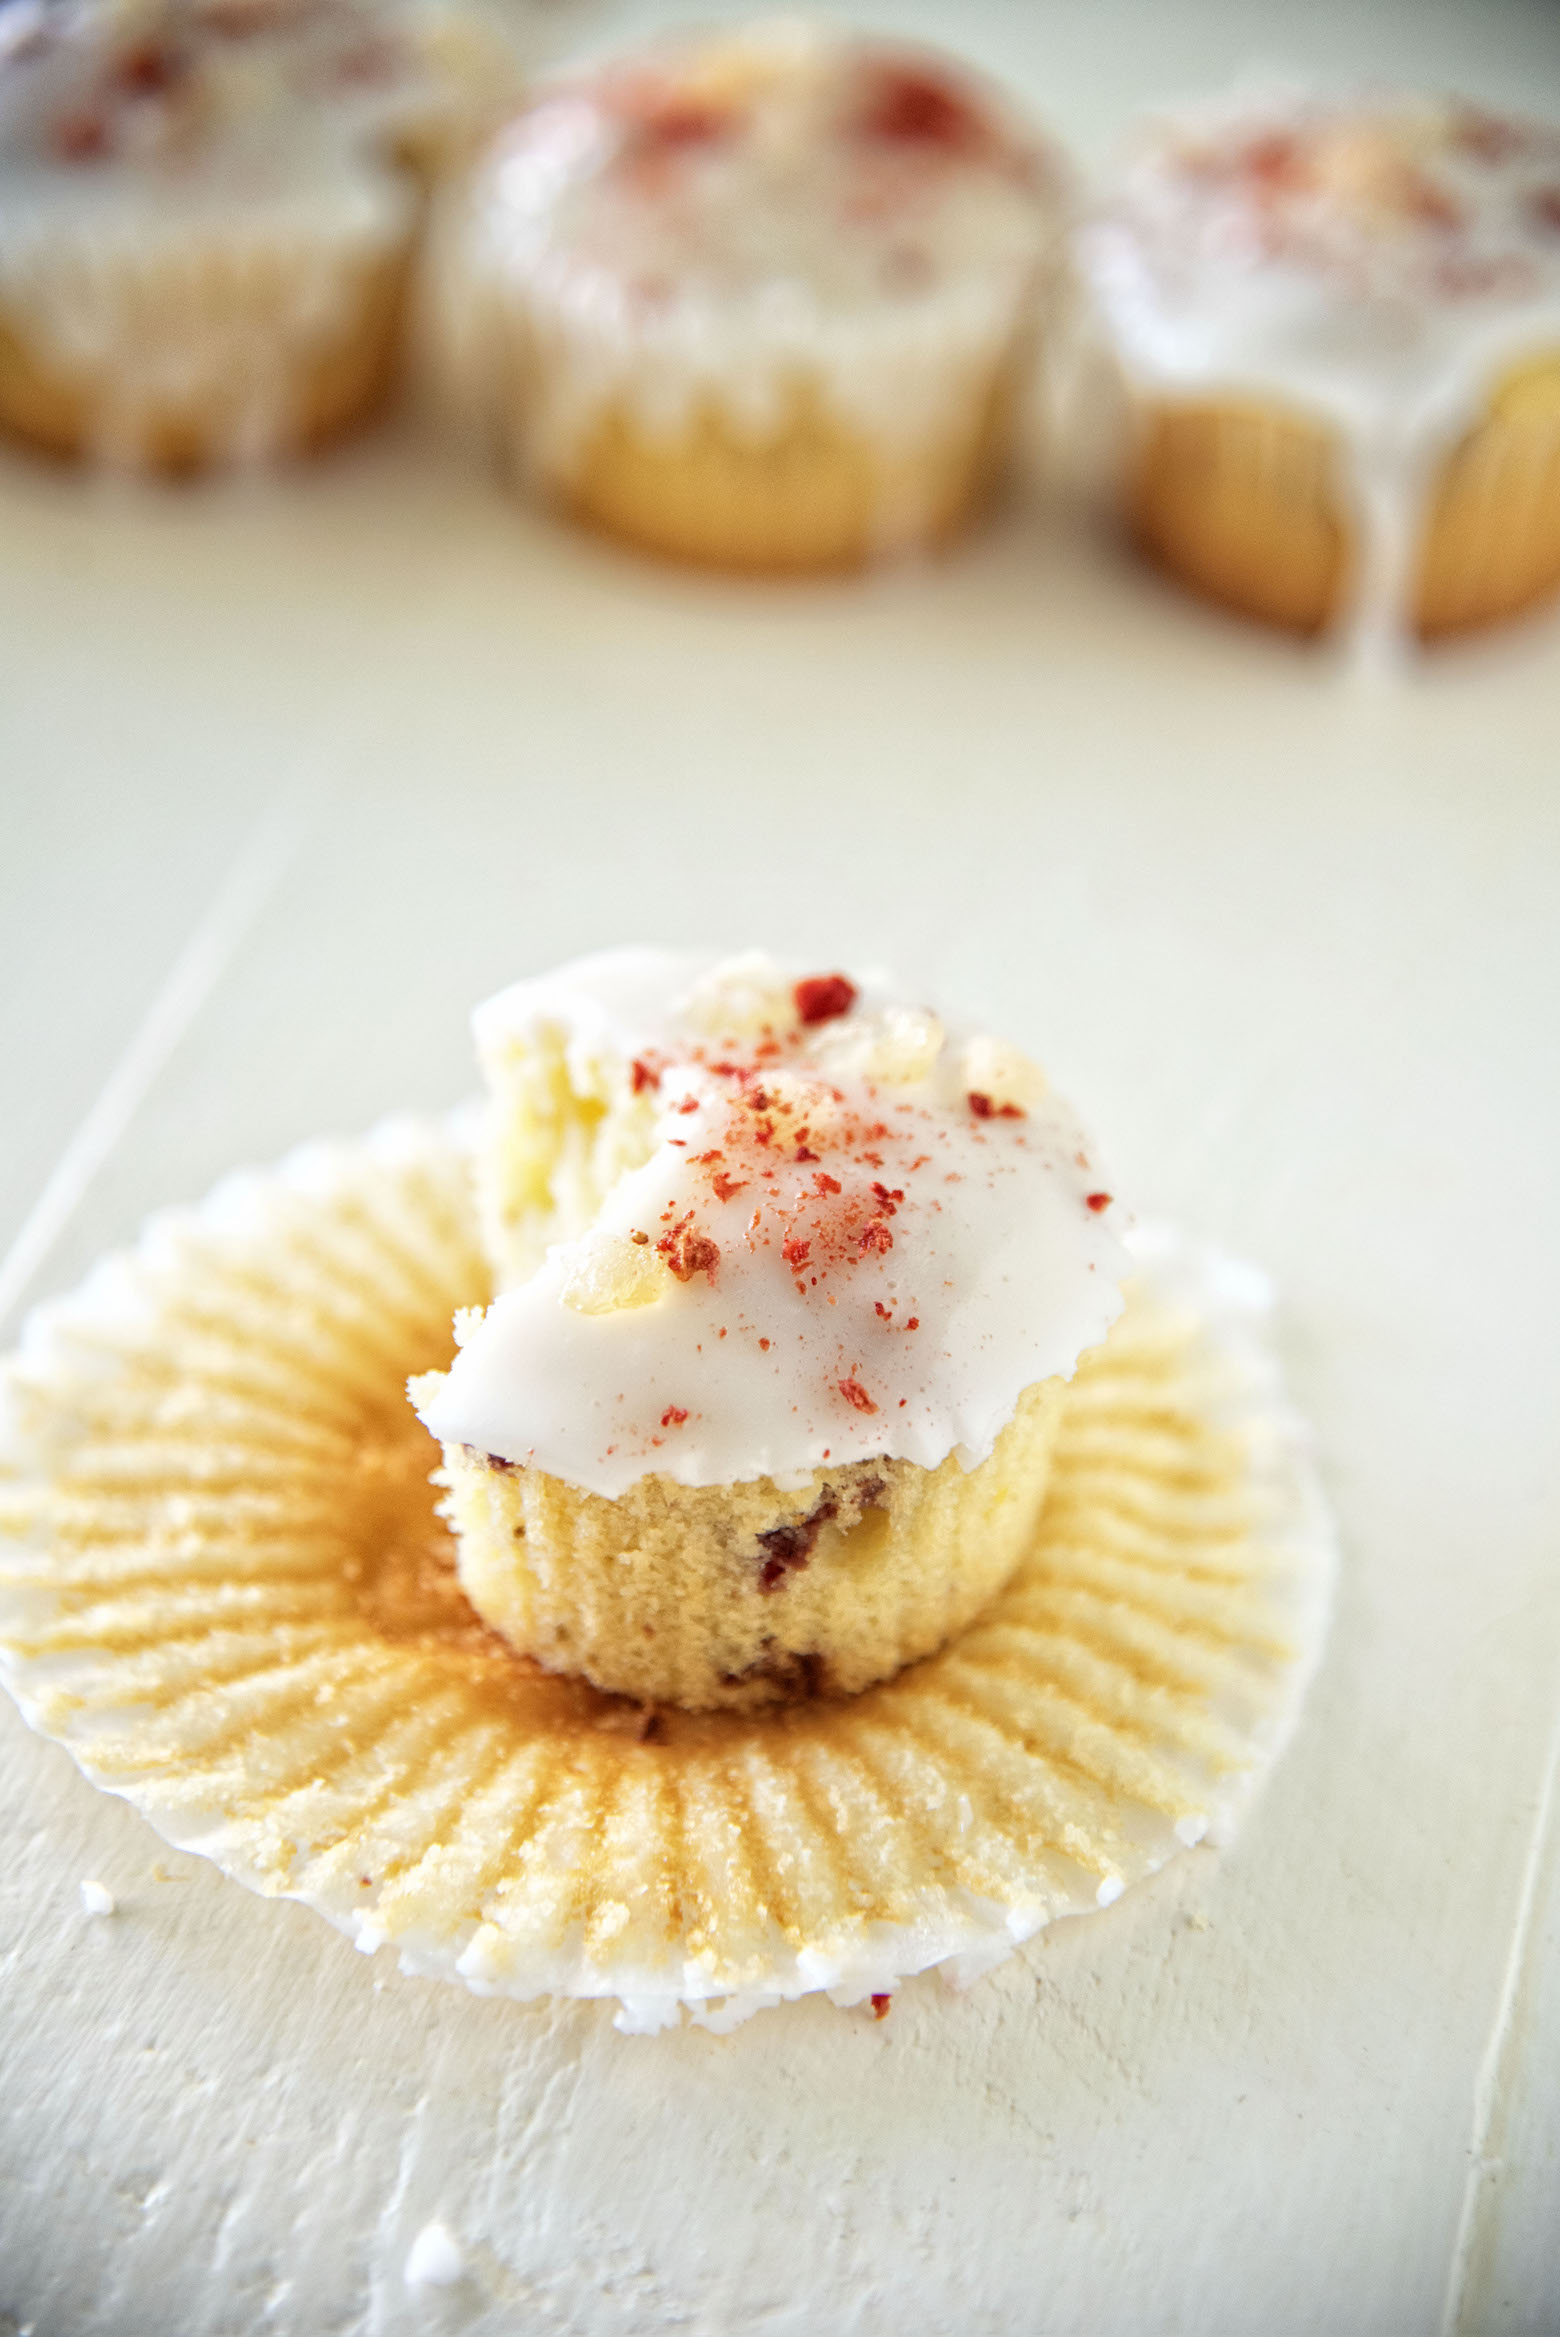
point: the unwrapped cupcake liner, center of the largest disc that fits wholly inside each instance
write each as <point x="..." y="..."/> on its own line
<point x="225" y="1588"/>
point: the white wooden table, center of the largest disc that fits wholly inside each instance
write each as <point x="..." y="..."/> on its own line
<point x="295" y="771"/>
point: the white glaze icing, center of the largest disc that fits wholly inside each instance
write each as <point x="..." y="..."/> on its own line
<point x="143" y="144"/>
<point x="1378" y="263"/>
<point x="863" y="1236"/>
<point x="728" y="215"/>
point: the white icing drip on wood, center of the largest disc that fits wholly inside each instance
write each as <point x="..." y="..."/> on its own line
<point x="1377" y="264"/>
<point x="858" y="1242"/>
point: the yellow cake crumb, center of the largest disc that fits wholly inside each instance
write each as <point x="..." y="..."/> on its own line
<point x="742" y="1595"/>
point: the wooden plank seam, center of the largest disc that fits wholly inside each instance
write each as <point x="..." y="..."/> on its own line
<point x="251" y="878"/>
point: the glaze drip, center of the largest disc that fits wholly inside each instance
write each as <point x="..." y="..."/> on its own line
<point x="1379" y="263"/>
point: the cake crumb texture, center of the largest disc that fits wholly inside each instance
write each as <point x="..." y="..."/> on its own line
<point x="740" y="1595"/>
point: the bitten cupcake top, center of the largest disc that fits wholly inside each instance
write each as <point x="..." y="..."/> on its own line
<point x="845" y="1228"/>
<point x="1377" y="260"/>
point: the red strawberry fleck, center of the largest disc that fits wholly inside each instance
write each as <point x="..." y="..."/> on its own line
<point x="1277" y="159"/>
<point x="913" y="106"/>
<point x="688" y="1253"/>
<point x="1488" y="137"/>
<point x="1098" y="1201"/>
<point x="81" y="137"/>
<point x="673" y="1416"/>
<point x="149" y="68"/>
<point x="856" y="1396"/>
<point x="823" y="996"/>
<point x="683" y="121"/>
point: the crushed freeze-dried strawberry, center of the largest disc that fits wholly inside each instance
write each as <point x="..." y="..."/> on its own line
<point x="820" y="997"/>
<point x="911" y="105"/>
<point x="688" y="1253"/>
<point x="149" y="68"/>
<point x="82" y="137"/>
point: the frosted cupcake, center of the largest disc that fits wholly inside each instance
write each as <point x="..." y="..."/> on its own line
<point x="1340" y="324"/>
<point x="761" y="300"/>
<point x="795" y="1275"/>
<point x="207" y="210"/>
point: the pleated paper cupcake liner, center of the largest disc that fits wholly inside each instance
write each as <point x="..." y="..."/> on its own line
<point x="1492" y="541"/>
<point x="224" y="1587"/>
<point x="193" y="344"/>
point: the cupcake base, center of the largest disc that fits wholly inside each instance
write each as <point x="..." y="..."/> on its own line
<point x="814" y="493"/>
<point x="1243" y="504"/>
<point x="1493" y="548"/>
<point x="735" y="1596"/>
<point x="207" y="356"/>
<point x="1249" y="505"/>
<point x="225" y="1587"/>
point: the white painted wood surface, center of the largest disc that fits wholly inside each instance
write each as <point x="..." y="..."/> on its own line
<point x="292" y="773"/>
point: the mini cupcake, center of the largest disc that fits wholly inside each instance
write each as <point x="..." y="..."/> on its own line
<point x="796" y="1275"/>
<point x="207" y="211"/>
<point x="761" y="300"/>
<point x="1339" y="322"/>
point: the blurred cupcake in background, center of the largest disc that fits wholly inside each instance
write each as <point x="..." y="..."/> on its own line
<point x="208" y="208"/>
<point x="1338" y="322"/>
<point x="763" y="299"/>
